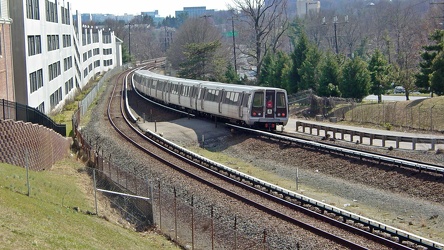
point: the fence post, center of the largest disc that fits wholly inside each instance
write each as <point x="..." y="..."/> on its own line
<point x="192" y="222"/>
<point x="212" y="228"/>
<point x="95" y="191"/>
<point x="235" y="232"/>
<point x="175" y="214"/>
<point x="160" y="207"/>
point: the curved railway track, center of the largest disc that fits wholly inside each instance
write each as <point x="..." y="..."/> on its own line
<point x="204" y="172"/>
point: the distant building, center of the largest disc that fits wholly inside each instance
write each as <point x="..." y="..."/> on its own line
<point x="55" y="53"/>
<point x="195" y="11"/>
<point x="304" y="7"/>
<point x="6" y="67"/>
<point x="154" y="15"/>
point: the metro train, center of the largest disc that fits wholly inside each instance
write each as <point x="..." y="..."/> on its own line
<point x="252" y="106"/>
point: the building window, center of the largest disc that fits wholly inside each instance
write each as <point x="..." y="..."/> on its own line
<point x="41" y="107"/>
<point x="65" y="16"/>
<point x="55" y="98"/>
<point x="67" y="63"/>
<point x="53" y="42"/>
<point x="96" y="51"/>
<point x="54" y="70"/>
<point x="97" y="64"/>
<point x="69" y="85"/>
<point x="108" y="62"/>
<point x="51" y="12"/>
<point x="66" y="41"/>
<point x="32" y="9"/>
<point x="107" y="51"/>
<point x="35" y="80"/>
<point x="34" y="45"/>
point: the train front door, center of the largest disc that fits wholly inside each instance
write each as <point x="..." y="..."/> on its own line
<point x="269" y="103"/>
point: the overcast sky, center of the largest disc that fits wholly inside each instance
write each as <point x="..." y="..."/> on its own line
<point x="165" y="7"/>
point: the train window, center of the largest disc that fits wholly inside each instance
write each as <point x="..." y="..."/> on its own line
<point x="280" y="100"/>
<point x="235" y="98"/>
<point x="160" y="85"/>
<point x="174" y="89"/>
<point x="153" y="84"/>
<point x="258" y="99"/>
<point x="227" y="97"/>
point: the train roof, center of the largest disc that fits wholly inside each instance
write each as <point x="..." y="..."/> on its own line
<point x="208" y="84"/>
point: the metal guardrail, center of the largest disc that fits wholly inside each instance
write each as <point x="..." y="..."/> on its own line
<point x="370" y="136"/>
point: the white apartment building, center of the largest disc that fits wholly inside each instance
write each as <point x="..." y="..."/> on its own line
<point x="54" y="53"/>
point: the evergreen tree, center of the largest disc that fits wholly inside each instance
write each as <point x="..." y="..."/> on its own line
<point x="298" y="57"/>
<point x="355" y="82"/>
<point x="267" y="73"/>
<point x="380" y="74"/>
<point x="309" y="71"/>
<point x="231" y="75"/>
<point x="275" y="70"/>
<point x="437" y="77"/>
<point x="431" y="51"/>
<point x="329" y="76"/>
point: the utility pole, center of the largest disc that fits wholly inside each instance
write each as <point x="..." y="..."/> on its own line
<point x="335" y="23"/>
<point x="234" y="43"/>
<point x="129" y="38"/>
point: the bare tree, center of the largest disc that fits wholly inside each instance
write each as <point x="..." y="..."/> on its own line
<point x="265" y="23"/>
<point x="197" y="31"/>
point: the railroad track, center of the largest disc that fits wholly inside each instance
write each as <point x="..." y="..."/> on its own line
<point x="224" y="176"/>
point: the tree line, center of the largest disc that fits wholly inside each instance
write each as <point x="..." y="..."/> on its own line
<point x="346" y="48"/>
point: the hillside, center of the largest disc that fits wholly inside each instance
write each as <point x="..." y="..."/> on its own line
<point x="421" y="115"/>
<point x="56" y="215"/>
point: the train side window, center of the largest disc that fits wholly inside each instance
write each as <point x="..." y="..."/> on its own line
<point x="174" y="89"/>
<point x="235" y="98"/>
<point x="153" y="84"/>
<point x="216" y="95"/>
<point x="227" y="97"/>
<point x="160" y="85"/>
<point x="258" y="99"/>
<point x="280" y="100"/>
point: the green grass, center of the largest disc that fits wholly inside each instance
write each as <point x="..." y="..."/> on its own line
<point x="46" y="219"/>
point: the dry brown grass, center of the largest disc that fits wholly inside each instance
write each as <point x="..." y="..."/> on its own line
<point x="420" y="115"/>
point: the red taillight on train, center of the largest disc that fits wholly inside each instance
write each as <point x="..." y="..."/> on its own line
<point x="254" y="114"/>
<point x="273" y="126"/>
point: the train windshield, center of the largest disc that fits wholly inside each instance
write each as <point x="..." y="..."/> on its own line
<point x="258" y="100"/>
<point x="280" y="100"/>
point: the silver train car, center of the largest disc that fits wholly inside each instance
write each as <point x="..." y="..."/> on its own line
<point x="253" y="106"/>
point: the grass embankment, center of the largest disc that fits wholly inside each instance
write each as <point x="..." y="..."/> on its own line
<point x="423" y="114"/>
<point x="65" y="116"/>
<point x="57" y="213"/>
